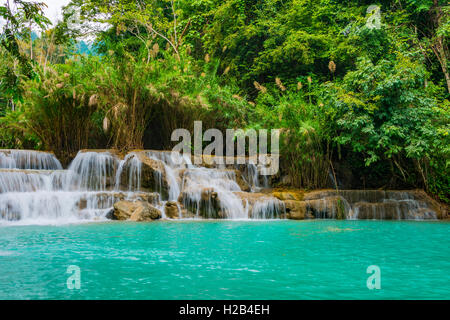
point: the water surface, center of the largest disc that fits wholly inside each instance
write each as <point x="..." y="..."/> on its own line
<point x="227" y="260"/>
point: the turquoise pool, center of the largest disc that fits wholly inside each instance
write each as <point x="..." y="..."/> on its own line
<point x="227" y="260"/>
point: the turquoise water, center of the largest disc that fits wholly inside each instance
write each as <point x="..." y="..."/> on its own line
<point x="227" y="260"/>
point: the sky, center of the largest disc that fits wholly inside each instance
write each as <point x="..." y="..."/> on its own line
<point x="53" y="12"/>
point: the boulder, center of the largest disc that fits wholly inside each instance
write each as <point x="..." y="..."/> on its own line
<point x="145" y="212"/>
<point x="296" y="210"/>
<point x="135" y="211"/>
<point x="124" y="209"/>
<point x="172" y="210"/>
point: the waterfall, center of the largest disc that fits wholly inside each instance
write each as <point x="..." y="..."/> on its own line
<point x="93" y="170"/>
<point x="25" y="159"/>
<point x="213" y="190"/>
<point x="34" y="189"/>
<point x="370" y="205"/>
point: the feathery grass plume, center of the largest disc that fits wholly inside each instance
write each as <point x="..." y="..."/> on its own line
<point x="251" y="103"/>
<point x="118" y="108"/>
<point x="106" y="124"/>
<point x="227" y="69"/>
<point x="60" y="85"/>
<point x="93" y="100"/>
<point x="207" y="59"/>
<point x="299" y="86"/>
<point x="280" y="84"/>
<point x="309" y="79"/>
<point x="155" y="50"/>
<point x="237" y="97"/>
<point x="332" y="66"/>
<point x="203" y="75"/>
<point x="66" y="75"/>
<point x="259" y="87"/>
<point x="224" y="49"/>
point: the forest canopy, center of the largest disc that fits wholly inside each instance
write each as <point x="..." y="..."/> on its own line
<point x="359" y="88"/>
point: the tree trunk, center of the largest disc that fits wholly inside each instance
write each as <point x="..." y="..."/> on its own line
<point x="438" y="47"/>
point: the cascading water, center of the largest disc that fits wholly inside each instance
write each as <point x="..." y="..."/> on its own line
<point x="25" y="159"/>
<point x="93" y="170"/>
<point x="212" y="190"/>
<point x="38" y="191"/>
<point x="370" y="205"/>
<point x="34" y="189"/>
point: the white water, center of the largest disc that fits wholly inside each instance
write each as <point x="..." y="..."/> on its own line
<point x="24" y="159"/>
<point x="34" y="189"/>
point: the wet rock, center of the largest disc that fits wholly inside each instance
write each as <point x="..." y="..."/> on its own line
<point x="152" y="174"/>
<point x="392" y="210"/>
<point x="288" y="194"/>
<point x="110" y="215"/>
<point x="296" y="210"/>
<point x="328" y="208"/>
<point x="124" y="209"/>
<point x="172" y="210"/>
<point x="145" y="212"/>
<point x="378" y="204"/>
<point x="262" y="206"/>
<point x="243" y="184"/>
<point x="135" y="211"/>
<point x="204" y="203"/>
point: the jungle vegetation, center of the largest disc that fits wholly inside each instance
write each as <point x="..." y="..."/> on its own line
<point x="358" y="90"/>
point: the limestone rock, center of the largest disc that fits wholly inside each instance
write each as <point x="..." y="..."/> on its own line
<point x="135" y="211"/>
<point x="171" y="210"/>
<point x="296" y="210"/>
<point x="145" y="212"/>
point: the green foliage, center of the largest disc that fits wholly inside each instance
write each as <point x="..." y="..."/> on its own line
<point x="164" y="94"/>
<point x="305" y="143"/>
<point x="59" y="106"/>
<point x="385" y="112"/>
<point x="373" y="101"/>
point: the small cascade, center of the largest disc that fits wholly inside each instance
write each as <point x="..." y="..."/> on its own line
<point x="209" y="192"/>
<point x="94" y="170"/>
<point x="27" y="159"/>
<point x="173" y="164"/>
<point x="18" y="180"/>
<point x="267" y="209"/>
<point x="34" y="189"/>
<point x="132" y="165"/>
<point x="371" y="205"/>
